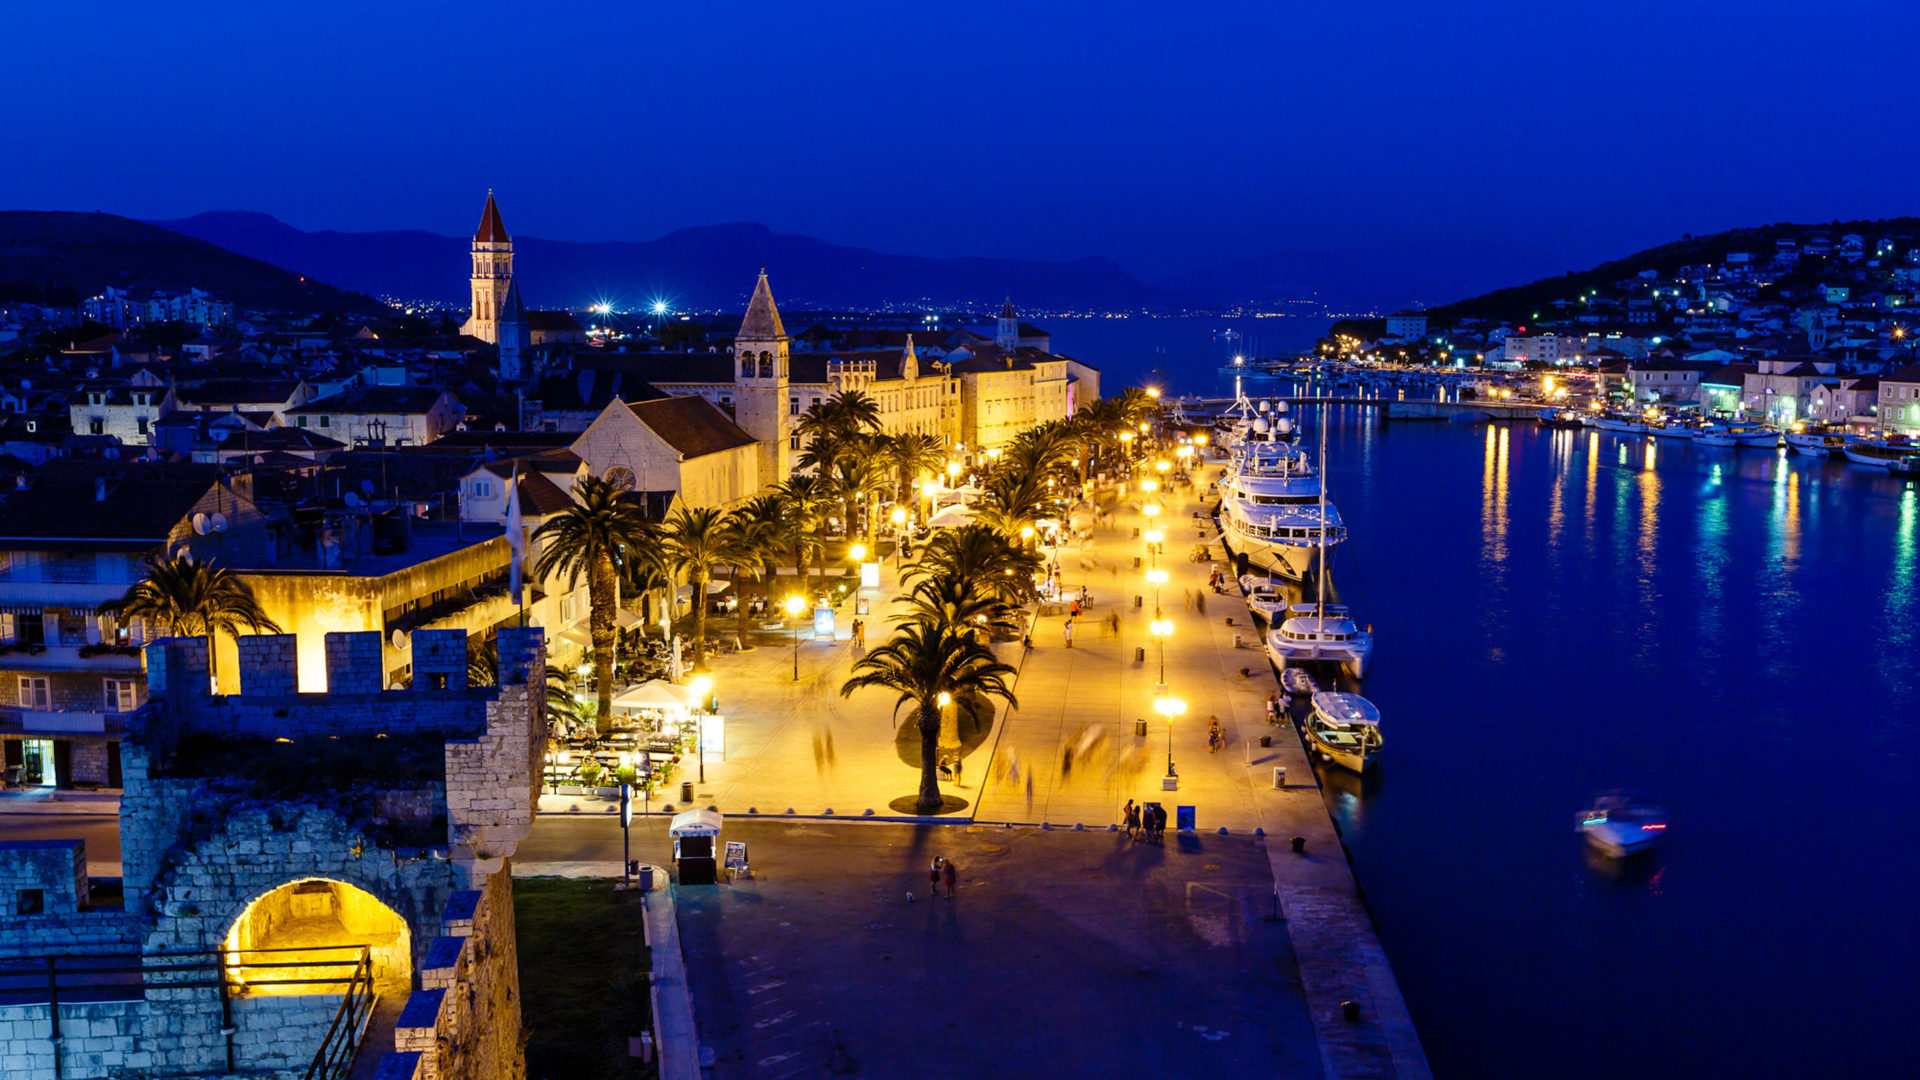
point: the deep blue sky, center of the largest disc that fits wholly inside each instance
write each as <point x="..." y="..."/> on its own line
<point x="1167" y="136"/>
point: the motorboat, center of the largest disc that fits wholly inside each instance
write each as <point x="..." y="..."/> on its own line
<point x="1624" y="423"/>
<point x="1264" y="597"/>
<point x="1736" y="433"/>
<point x="1321" y="632"/>
<point x="1345" y="729"/>
<point x="1276" y="499"/>
<point x="1619" y="824"/>
<point x="1813" y="440"/>
<point x="1674" y="429"/>
<point x="1880" y="452"/>
<point x="1562" y="418"/>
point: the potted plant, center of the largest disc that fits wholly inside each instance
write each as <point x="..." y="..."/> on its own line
<point x="590" y="774"/>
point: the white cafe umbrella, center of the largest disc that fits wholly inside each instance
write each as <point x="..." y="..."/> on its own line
<point x="655" y="694"/>
<point x="714" y="588"/>
<point x="951" y="516"/>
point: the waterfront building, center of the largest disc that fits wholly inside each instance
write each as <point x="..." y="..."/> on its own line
<point x="1664" y="381"/>
<point x="1899" y="400"/>
<point x="1407" y="325"/>
<point x="682" y="444"/>
<point x="1779" y="387"/>
<point x="1855" y="399"/>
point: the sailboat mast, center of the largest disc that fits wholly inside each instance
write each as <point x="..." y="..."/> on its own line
<point x="1321" y="572"/>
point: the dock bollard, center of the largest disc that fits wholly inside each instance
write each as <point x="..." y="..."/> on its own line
<point x="1299" y="845"/>
<point x="1279" y="772"/>
<point x="1350" y="1010"/>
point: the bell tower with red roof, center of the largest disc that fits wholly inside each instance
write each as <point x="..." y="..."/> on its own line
<point x="492" y="273"/>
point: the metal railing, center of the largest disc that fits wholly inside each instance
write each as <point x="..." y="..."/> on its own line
<point x="68" y="979"/>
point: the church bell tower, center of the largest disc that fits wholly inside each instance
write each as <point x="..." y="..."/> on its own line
<point x="492" y="273"/>
<point x="761" y="356"/>
<point x="1007" y="333"/>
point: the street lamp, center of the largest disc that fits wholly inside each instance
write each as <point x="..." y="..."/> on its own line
<point x="858" y="553"/>
<point x="701" y="687"/>
<point x="1169" y="707"/>
<point x="1161" y="630"/>
<point x="794" y="606"/>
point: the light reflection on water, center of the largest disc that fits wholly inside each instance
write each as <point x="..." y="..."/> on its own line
<point x="1562" y="611"/>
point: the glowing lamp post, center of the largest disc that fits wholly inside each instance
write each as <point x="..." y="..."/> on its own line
<point x="899" y="527"/>
<point x="793" y="607"/>
<point x="1161" y="629"/>
<point x="702" y="688"/>
<point x="1169" y="707"/>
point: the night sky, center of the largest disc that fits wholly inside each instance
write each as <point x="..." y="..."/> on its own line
<point x="1166" y="136"/>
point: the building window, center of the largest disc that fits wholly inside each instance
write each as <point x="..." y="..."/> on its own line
<point x="323" y="421"/>
<point x="120" y="695"/>
<point x="143" y="425"/>
<point x="35" y="693"/>
<point x="483" y="489"/>
<point x="793" y="406"/>
<point x="29" y="901"/>
<point x="96" y="426"/>
<point x="302" y="421"/>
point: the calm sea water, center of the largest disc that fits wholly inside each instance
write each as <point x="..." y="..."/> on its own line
<point x="1733" y="631"/>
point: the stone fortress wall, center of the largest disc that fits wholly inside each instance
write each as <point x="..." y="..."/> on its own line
<point x="213" y="856"/>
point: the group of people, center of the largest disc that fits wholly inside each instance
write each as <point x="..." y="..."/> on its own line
<point x="941" y="873"/>
<point x="1143" y="822"/>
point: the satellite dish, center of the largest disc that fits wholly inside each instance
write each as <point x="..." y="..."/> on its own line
<point x="1280" y="406"/>
<point x="351" y="499"/>
<point x="1263" y="406"/>
<point x="200" y="524"/>
<point x="1260" y="425"/>
<point x="218" y="523"/>
<point x="1283" y="425"/>
<point x="399" y="639"/>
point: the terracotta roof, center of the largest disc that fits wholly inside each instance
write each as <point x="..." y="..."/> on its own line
<point x="691" y="425"/>
<point x="492" y="229"/>
<point x="763" y="318"/>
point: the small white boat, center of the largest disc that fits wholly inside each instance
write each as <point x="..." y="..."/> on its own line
<point x="1737" y="433"/>
<point x="1264" y="597"/>
<point x="1816" y="441"/>
<point x="1345" y="729"/>
<point x="1324" y="632"/>
<point x="1625" y="423"/>
<point x="1621" y="823"/>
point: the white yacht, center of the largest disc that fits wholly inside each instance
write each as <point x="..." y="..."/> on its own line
<point x="1620" y="823"/>
<point x="1880" y="452"/>
<point x="1321" y="631"/>
<point x="1345" y="729"/>
<point x="1625" y="423"/>
<point x="1274" y="498"/>
<point x="1737" y="433"/>
<point x="1816" y="440"/>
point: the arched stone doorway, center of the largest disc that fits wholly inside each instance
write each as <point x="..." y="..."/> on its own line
<point x="313" y="918"/>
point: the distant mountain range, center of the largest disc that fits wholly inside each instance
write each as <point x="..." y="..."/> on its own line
<point x="713" y="267"/>
<point x="54" y="251"/>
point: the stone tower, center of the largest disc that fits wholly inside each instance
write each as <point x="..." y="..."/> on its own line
<point x="515" y="337"/>
<point x="761" y="356"/>
<point x="492" y="273"/>
<point x="1007" y="335"/>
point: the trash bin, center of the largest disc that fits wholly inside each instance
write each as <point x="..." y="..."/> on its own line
<point x="1266" y="740"/>
<point x="1136" y="562"/>
<point x="686" y="791"/>
<point x="646" y="879"/>
<point x="1136" y="601"/>
<point x="1140" y="728"/>
<point x="1139" y="654"/>
<point x="1236" y="641"/>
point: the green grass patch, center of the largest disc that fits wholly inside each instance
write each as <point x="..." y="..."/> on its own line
<point x="583" y="978"/>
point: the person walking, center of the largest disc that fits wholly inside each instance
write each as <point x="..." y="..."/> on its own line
<point x="1067" y="631"/>
<point x="950" y="875"/>
<point x="1127" y="817"/>
<point x="1133" y="822"/>
<point x="956" y="769"/>
<point x="1213" y="734"/>
<point x="933" y="877"/>
<point x="1200" y="602"/>
<point x="1273" y="709"/>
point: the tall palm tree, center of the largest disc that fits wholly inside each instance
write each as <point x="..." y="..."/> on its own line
<point x="910" y="456"/>
<point x="980" y="555"/>
<point x="757" y="531"/>
<point x="857" y="477"/>
<point x="803" y="499"/>
<point x="193" y="599"/>
<point x="1016" y="501"/>
<point x="698" y="539"/>
<point x="828" y="426"/>
<point x="604" y="531"/>
<point x="923" y="662"/>
<point x="974" y="607"/>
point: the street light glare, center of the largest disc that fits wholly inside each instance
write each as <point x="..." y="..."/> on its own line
<point x="795" y="605"/>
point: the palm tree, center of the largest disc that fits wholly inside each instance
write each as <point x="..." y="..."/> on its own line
<point x="699" y="539"/>
<point x="835" y="430"/>
<point x="802" y="500"/>
<point x="980" y="555"/>
<point x="1016" y="501"/>
<point x="976" y="608"/>
<point x="857" y="477"/>
<point x="193" y="599"/>
<point x="910" y="456"/>
<point x="924" y="663"/>
<point x="756" y="531"/>
<point x="604" y="531"/>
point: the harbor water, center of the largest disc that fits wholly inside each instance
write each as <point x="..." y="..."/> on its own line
<point x="1731" y="631"/>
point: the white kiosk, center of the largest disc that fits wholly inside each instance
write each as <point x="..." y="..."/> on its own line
<point x="696" y="835"/>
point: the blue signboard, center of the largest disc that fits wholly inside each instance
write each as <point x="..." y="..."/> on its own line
<point x="1183" y="818"/>
<point x="823" y="622"/>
